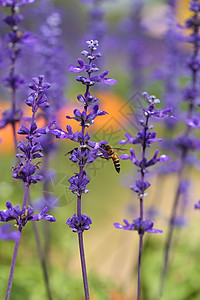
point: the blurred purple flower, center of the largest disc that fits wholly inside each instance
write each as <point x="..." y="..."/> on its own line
<point x="7" y="233"/>
<point x="15" y="3"/>
<point x="139" y="225"/>
<point x="197" y="205"/>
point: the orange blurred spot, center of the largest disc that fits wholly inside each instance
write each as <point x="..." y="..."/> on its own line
<point x="182" y="11"/>
<point x="115" y="295"/>
<point x="114" y="106"/>
<point x="109" y="102"/>
<point x="6" y="134"/>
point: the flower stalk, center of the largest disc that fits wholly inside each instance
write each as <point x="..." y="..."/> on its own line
<point x="145" y="138"/>
<point x="87" y="150"/>
<point x="187" y="142"/>
<point x="26" y="170"/>
<point x="15" y="38"/>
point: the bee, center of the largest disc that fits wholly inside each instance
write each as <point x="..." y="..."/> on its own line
<point x="18" y="166"/>
<point x="113" y="155"/>
<point x="37" y="165"/>
<point x="15" y="167"/>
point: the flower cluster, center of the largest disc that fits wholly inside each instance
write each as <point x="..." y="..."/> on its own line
<point x="140" y="225"/>
<point x="88" y="151"/>
<point x="79" y="224"/>
<point x="23" y="216"/>
<point x="14" y="40"/>
<point x="32" y="150"/>
<point x="145" y="137"/>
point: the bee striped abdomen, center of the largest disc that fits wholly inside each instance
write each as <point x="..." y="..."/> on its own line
<point x="113" y="155"/>
<point x="116" y="162"/>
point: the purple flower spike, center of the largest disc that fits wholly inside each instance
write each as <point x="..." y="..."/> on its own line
<point x="79" y="224"/>
<point x="38" y="97"/>
<point x="86" y="151"/>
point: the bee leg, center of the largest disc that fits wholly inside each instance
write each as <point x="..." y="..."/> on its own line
<point x="105" y="157"/>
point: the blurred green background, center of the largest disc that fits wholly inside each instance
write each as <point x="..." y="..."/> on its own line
<point x="111" y="254"/>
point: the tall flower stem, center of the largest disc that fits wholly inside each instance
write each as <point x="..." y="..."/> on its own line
<point x="83" y="265"/>
<point x="24" y="171"/>
<point x="145" y="138"/>
<point x="12" y="269"/>
<point x="42" y="257"/>
<point x="80" y="234"/>
<point x="13" y="88"/>
<point x="171" y="229"/>
<point x="141" y="233"/>
<point x="13" y="123"/>
<point x="193" y="23"/>
<point x="139" y="267"/>
<point x="42" y="260"/>
<point x="87" y="150"/>
<point x="17" y="242"/>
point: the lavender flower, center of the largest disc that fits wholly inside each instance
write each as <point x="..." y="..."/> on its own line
<point x="25" y="170"/>
<point x="187" y="141"/>
<point x="139" y="225"/>
<point x="145" y="138"/>
<point x="88" y="150"/>
<point x="23" y="216"/>
<point x="79" y="224"/>
<point x="14" y="39"/>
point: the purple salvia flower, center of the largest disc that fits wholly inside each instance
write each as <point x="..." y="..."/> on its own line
<point x="187" y="141"/>
<point x="14" y="41"/>
<point x="79" y="224"/>
<point x="88" y="150"/>
<point x="37" y="99"/>
<point x="138" y="225"/>
<point x="23" y="216"/>
<point x="26" y="169"/>
<point x="145" y="138"/>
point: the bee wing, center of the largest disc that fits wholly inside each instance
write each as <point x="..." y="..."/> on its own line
<point x="119" y="149"/>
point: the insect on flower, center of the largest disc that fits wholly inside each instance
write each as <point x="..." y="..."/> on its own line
<point x="113" y="155"/>
<point x="37" y="165"/>
<point x="16" y="166"/>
